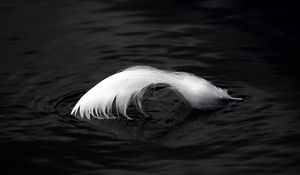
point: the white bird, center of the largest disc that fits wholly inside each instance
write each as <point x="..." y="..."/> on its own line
<point x="119" y="90"/>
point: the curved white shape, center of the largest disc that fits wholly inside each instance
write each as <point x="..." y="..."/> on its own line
<point x="130" y="84"/>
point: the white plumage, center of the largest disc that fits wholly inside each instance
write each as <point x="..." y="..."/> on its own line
<point x="129" y="85"/>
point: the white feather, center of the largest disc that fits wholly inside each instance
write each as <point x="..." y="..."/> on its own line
<point x="130" y="85"/>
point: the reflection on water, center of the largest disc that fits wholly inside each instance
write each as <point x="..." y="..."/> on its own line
<point x="53" y="52"/>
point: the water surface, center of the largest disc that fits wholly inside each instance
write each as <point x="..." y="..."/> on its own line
<point x="52" y="52"/>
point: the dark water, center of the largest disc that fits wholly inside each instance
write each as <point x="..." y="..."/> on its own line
<point x="52" y="52"/>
